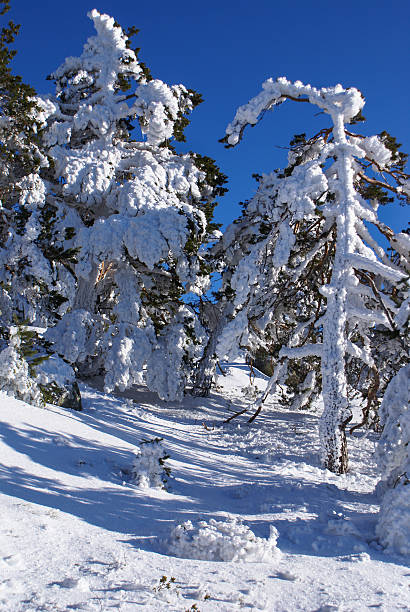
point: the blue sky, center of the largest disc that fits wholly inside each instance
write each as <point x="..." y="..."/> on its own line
<point x="225" y="49"/>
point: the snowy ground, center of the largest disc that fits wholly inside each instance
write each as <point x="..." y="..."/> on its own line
<point x="77" y="534"/>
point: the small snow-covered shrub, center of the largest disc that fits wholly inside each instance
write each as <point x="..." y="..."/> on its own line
<point x="149" y="468"/>
<point x="227" y="540"/>
<point x="393" y="458"/>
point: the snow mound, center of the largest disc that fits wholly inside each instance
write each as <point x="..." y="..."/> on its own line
<point x="227" y="540"/>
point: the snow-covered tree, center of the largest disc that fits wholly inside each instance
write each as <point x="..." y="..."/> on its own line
<point x="20" y="158"/>
<point x="30" y="286"/>
<point x="138" y="214"/>
<point x="390" y="346"/>
<point x="341" y="282"/>
<point x="261" y="254"/>
<point x="20" y="153"/>
<point x="393" y="458"/>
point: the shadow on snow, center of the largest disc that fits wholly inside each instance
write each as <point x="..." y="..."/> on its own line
<point x="207" y="483"/>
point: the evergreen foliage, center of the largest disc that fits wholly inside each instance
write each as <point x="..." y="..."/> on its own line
<point x="20" y="154"/>
<point x="28" y="279"/>
<point x="16" y="372"/>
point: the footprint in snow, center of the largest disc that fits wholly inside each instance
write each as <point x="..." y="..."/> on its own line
<point x="72" y="583"/>
<point x="12" y="585"/>
<point x="11" y="561"/>
<point x="361" y="557"/>
<point x="285" y="575"/>
<point x="126" y="585"/>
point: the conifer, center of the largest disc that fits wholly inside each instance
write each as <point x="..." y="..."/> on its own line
<point x="140" y="215"/>
<point x="328" y="280"/>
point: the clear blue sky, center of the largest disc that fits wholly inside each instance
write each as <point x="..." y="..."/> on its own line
<point x="225" y="49"/>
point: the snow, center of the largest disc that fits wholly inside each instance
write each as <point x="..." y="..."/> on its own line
<point x="54" y="370"/>
<point x="15" y="379"/>
<point x="376" y="150"/>
<point x="149" y="468"/>
<point x="78" y="532"/>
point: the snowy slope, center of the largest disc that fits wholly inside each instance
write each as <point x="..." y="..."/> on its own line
<point x="77" y="533"/>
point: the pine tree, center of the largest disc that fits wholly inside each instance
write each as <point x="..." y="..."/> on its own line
<point x="341" y="281"/>
<point x="35" y="273"/>
<point x="26" y="275"/>
<point x="249" y="257"/>
<point x="20" y="153"/>
<point x="139" y="214"/>
<point x="20" y="161"/>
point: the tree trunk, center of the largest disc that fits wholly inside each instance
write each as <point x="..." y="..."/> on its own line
<point x="205" y="370"/>
<point x="336" y="413"/>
